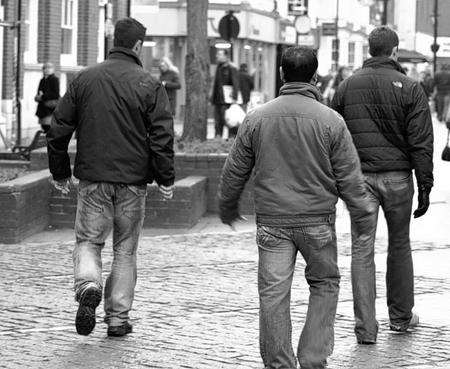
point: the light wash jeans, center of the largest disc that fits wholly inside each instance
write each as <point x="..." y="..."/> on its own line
<point x="315" y="238"/>
<point x="393" y="191"/>
<point x="101" y="208"/>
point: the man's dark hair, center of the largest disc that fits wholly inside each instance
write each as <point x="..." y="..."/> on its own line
<point x="382" y="40"/>
<point x="299" y="63"/>
<point x="127" y="32"/>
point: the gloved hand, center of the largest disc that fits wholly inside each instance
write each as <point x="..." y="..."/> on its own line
<point x="424" y="201"/>
<point x="230" y="216"/>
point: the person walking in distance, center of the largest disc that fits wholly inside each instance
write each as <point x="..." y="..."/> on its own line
<point x="225" y="90"/>
<point x="246" y="84"/>
<point x="170" y="79"/>
<point x="47" y="96"/>
<point x="389" y="118"/>
<point x="125" y="140"/>
<point x="295" y="206"/>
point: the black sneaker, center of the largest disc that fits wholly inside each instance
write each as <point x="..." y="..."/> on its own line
<point x="120" y="330"/>
<point x="414" y="322"/>
<point x="85" y="319"/>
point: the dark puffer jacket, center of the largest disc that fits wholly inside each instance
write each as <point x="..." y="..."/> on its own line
<point x="389" y="118"/>
<point x="124" y="123"/>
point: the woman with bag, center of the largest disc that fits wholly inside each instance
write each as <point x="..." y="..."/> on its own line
<point x="170" y="79"/>
<point x="47" y="96"/>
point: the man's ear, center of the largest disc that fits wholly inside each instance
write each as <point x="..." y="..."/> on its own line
<point x="282" y="74"/>
<point x="137" y="48"/>
<point x="394" y="54"/>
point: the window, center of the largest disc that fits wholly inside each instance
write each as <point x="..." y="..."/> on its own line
<point x="351" y="54"/>
<point x="365" y="52"/>
<point x="25" y="26"/>
<point x="67" y="26"/>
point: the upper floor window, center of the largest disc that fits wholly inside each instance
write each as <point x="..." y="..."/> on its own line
<point x="67" y="22"/>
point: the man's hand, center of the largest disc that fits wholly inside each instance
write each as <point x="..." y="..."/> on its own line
<point x="63" y="185"/>
<point x="424" y="201"/>
<point x="231" y="217"/>
<point x="166" y="192"/>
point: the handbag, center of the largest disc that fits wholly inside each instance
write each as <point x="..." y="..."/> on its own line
<point x="51" y="104"/>
<point x="234" y="116"/>
<point x="446" y="152"/>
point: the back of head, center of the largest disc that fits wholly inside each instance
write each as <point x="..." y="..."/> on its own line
<point x="299" y="64"/>
<point x="127" y="32"/>
<point x="382" y="41"/>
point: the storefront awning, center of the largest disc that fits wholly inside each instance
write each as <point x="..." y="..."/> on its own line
<point x="411" y="56"/>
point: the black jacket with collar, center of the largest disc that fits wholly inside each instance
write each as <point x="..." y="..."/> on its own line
<point x="124" y="124"/>
<point x="389" y="118"/>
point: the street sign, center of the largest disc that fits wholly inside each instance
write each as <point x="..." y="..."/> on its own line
<point x="329" y="29"/>
<point x="297" y="7"/>
<point x="307" y="40"/>
<point x="229" y="27"/>
<point x="302" y="24"/>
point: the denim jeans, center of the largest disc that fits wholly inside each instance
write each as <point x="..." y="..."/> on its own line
<point x="103" y="207"/>
<point x="278" y="246"/>
<point x="393" y="191"/>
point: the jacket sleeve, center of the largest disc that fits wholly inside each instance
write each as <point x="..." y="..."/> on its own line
<point x="347" y="171"/>
<point x="53" y="90"/>
<point x="419" y="131"/>
<point x="237" y="170"/>
<point x="63" y="125"/>
<point x="174" y="84"/>
<point x="160" y="133"/>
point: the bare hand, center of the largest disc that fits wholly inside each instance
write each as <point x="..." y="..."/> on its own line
<point x="63" y="185"/>
<point x="166" y="192"/>
<point x="232" y="224"/>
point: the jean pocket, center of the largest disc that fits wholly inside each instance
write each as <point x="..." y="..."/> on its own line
<point x="400" y="177"/>
<point x="138" y="190"/>
<point x="85" y="188"/>
<point x="319" y="236"/>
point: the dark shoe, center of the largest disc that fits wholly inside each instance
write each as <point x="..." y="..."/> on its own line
<point x="414" y="322"/>
<point x="366" y="342"/>
<point x="85" y="320"/>
<point x="120" y="330"/>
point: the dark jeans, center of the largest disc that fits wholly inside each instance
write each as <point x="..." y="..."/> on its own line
<point x="278" y="248"/>
<point x="393" y="191"/>
<point x="219" y="117"/>
<point x="101" y="208"/>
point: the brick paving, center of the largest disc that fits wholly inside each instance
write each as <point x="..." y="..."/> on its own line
<point x="196" y="307"/>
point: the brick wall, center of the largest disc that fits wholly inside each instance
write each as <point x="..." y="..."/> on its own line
<point x="88" y="21"/>
<point x="120" y="9"/>
<point x="49" y="30"/>
<point x="24" y="206"/>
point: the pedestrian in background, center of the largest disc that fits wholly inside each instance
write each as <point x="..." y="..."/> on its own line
<point x="389" y="118"/>
<point x="170" y="79"/>
<point x="246" y="84"/>
<point x="47" y="96"/>
<point x="125" y="140"/>
<point x="442" y="92"/>
<point x="225" y="91"/>
<point x="295" y="206"/>
<point x="342" y="74"/>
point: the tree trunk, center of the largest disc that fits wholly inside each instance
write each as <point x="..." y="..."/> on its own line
<point x="197" y="71"/>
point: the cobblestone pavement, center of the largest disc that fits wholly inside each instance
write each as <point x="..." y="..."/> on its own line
<point x="196" y="307"/>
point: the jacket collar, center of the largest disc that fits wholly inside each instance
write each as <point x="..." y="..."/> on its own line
<point x="383" y="62"/>
<point x="301" y="88"/>
<point x="123" y="53"/>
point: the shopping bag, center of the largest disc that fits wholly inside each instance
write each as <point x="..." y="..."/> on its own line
<point x="228" y="95"/>
<point x="234" y="116"/>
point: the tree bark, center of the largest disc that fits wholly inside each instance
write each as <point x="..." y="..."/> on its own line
<point x="197" y="71"/>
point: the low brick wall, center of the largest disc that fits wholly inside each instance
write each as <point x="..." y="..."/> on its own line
<point x="206" y="165"/>
<point x="183" y="211"/>
<point x="15" y="164"/>
<point x="24" y="208"/>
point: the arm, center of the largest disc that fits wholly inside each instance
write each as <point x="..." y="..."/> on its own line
<point x="63" y="125"/>
<point x="53" y="92"/>
<point x="174" y="84"/>
<point x="235" y="174"/>
<point x="347" y="171"/>
<point x="419" y="135"/>
<point x="160" y="131"/>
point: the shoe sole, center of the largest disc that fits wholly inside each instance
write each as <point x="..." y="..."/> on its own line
<point x="85" y="319"/>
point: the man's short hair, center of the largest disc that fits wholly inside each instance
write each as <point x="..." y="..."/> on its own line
<point x="127" y="32"/>
<point x="299" y="64"/>
<point x="382" y="40"/>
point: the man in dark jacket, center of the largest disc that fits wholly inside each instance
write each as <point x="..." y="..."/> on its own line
<point x="47" y="96"/>
<point x="246" y="84"/>
<point x="125" y="140"/>
<point x="228" y="76"/>
<point x="389" y="118"/>
<point x="303" y="159"/>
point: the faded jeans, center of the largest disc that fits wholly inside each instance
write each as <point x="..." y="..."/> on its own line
<point x="103" y="207"/>
<point x="315" y="238"/>
<point x="393" y="191"/>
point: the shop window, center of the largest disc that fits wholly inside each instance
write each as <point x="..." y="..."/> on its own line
<point x="351" y="54"/>
<point x="67" y="26"/>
